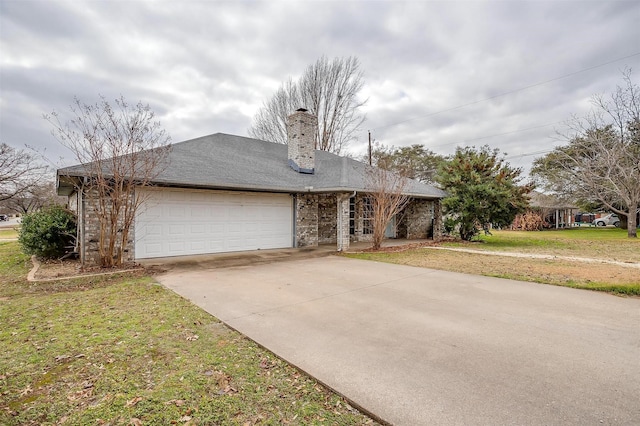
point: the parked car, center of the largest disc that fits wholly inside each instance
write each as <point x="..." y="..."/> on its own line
<point x="610" y="219"/>
<point x="585" y="217"/>
<point x="4" y="217"/>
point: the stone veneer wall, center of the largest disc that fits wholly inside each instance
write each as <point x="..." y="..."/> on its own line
<point x="327" y="224"/>
<point x="318" y="218"/>
<point x="342" y="215"/>
<point x="438" y="224"/>
<point x="418" y="215"/>
<point x="306" y="220"/>
<point x="88" y="220"/>
<point x="301" y="132"/>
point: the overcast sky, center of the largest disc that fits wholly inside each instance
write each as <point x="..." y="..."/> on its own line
<point x="430" y="66"/>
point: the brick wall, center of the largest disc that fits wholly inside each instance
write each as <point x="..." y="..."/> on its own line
<point x="301" y="131"/>
<point x="331" y="213"/>
<point x="438" y="224"/>
<point x="342" y="228"/>
<point x="89" y="221"/>
<point x="418" y="215"/>
<point x="327" y="224"/>
<point x="306" y="220"/>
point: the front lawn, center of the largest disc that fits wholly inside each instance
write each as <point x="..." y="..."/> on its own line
<point x="599" y="243"/>
<point x="8" y="233"/>
<point x="605" y="243"/>
<point x="125" y="350"/>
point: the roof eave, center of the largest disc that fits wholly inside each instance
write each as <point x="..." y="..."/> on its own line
<point x="282" y="189"/>
<point x="66" y="185"/>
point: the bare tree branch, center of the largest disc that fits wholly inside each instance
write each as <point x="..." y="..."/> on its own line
<point x="601" y="162"/>
<point x="387" y="191"/>
<point x="120" y="148"/>
<point x="329" y="90"/>
<point x="19" y="172"/>
<point x="35" y="198"/>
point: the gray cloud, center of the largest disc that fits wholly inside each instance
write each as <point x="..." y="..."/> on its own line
<point x="206" y="67"/>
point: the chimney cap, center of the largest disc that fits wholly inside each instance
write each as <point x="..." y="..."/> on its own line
<point x="302" y="110"/>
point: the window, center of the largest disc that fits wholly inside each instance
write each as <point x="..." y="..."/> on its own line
<point x="352" y="216"/>
<point x="367" y="216"/>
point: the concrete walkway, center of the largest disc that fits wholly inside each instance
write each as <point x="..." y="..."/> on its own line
<point x="417" y="346"/>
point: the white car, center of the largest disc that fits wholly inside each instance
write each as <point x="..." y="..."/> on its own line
<point x="610" y="219"/>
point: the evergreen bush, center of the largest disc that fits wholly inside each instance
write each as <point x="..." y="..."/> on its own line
<point x="47" y="233"/>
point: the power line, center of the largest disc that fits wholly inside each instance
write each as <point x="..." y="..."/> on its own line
<point x="509" y="92"/>
<point x="498" y="134"/>
<point x="528" y="154"/>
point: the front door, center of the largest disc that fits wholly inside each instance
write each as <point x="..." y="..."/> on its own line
<point x="390" y="230"/>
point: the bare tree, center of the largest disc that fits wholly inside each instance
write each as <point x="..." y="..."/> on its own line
<point x="601" y="162"/>
<point x="35" y="198"/>
<point x="387" y="191"/>
<point x="120" y="148"/>
<point x="20" y="171"/>
<point x="327" y="89"/>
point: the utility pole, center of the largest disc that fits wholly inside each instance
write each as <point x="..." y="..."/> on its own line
<point x="369" y="146"/>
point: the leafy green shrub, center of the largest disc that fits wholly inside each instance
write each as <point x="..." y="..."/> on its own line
<point x="449" y="225"/>
<point x="47" y="232"/>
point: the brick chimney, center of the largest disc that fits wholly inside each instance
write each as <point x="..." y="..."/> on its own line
<point x="301" y="131"/>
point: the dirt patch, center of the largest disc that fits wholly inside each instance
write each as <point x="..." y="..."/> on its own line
<point x="405" y="247"/>
<point x="541" y="270"/>
<point x="70" y="268"/>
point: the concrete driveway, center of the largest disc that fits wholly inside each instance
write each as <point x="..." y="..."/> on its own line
<point x="418" y="346"/>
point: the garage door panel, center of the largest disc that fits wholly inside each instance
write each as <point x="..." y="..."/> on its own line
<point x="183" y="222"/>
<point x="215" y="246"/>
<point x="176" y="247"/>
<point x="154" y="229"/>
<point x="215" y="229"/>
<point x="176" y="230"/>
<point x="198" y="246"/>
<point x="198" y="212"/>
<point x="154" y="250"/>
<point x="198" y="228"/>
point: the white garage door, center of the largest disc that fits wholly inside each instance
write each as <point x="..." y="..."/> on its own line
<point x="176" y="222"/>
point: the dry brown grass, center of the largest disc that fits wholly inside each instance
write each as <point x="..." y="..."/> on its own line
<point x="539" y="270"/>
<point x="605" y="244"/>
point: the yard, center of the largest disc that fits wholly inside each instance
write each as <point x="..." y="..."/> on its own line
<point x="125" y="350"/>
<point x="591" y="243"/>
<point x="6" y="233"/>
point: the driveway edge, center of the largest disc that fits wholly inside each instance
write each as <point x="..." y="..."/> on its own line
<point x="355" y="405"/>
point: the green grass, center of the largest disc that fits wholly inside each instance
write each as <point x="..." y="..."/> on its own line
<point x="14" y="266"/>
<point x="598" y="243"/>
<point x="606" y="243"/>
<point x="123" y="350"/>
<point x="8" y="233"/>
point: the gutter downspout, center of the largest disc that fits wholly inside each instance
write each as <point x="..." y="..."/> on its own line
<point x="83" y="242"/>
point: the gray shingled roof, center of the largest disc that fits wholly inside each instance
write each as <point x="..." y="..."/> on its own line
<point x="224" y="161"/>
<point x="540" y="200"/>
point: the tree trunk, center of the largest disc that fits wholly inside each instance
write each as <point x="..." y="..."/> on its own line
<point x="632" y="222"/>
